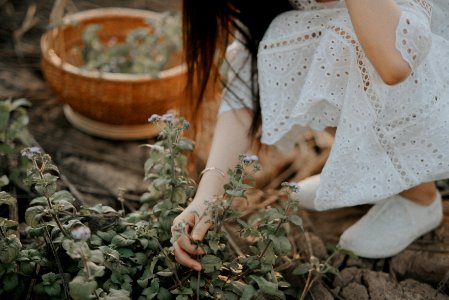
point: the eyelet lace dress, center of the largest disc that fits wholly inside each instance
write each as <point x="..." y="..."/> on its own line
<point x="314" y="73"/>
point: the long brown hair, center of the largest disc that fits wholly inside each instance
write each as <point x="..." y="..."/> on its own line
<point x="208" y="26"/>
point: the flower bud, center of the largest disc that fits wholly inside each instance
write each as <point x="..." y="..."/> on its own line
<point x="81" y="232"/>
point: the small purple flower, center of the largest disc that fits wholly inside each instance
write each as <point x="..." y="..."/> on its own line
<point x="293" y="186"/>
<point x="168" y="117"/>
<point x="81" y="232"/>
<point x="248" y="158"/>
<point x="154" y="118"/>
<point x="31" y="152"/>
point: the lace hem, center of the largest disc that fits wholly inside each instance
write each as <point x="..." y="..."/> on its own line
<point x="413" y="39"/>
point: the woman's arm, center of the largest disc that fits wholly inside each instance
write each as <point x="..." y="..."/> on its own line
<point x="230" y="140"/>
<point x="375" y="23"/>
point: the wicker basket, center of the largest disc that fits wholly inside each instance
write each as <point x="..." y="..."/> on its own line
<point x="107" y="98"/>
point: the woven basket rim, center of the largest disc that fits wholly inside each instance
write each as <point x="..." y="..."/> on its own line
<point x="50" y="55"/>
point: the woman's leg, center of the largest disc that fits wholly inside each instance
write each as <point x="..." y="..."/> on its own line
<point x="423" y="194"/>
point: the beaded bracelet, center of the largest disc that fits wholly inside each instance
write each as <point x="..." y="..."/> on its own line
<point x="217" y="170"/>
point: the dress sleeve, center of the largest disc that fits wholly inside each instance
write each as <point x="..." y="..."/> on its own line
<point x="413" y="34"/>
<point x="440" y="18"/>
<point x="237" y="69"/>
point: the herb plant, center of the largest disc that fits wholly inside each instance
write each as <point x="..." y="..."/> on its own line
<point x="145" y="50"/>
<point x="68" y="251"/>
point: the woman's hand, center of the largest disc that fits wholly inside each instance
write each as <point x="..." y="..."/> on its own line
<point x="195" y="222"/>
<point x="230" y="140"/>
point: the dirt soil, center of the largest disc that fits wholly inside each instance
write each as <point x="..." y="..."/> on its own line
<point x="97" y="169"/>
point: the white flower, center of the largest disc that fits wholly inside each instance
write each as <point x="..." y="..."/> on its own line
<point x="168" y="117"/>
<point x="31" y="152"/>
<point x="81" y="232"/>
<point x="154" y="118"/>
<point x="248" y="158"/>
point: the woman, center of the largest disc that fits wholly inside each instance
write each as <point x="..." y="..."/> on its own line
<point x="371" y="69"/>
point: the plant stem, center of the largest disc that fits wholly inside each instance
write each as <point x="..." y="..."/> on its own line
<point x="198" y="283"/>
<point x="58" y="262"/>
<point x="270" y="241"/>
<point x="268" y="244"/>
<point x="307" y="286"/>
<point x="83" y="257"/>
<point x="33" y="282"/>
<point x="172" y="164"/>
<point x="54" y="216"/>
<point x="2" y="232"/>
<point x="169" y="262"/>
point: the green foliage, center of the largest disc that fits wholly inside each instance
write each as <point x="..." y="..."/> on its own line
<point x="14" y="137"/>
<point x="70" y="251"/>
<point x="144" y="51"/>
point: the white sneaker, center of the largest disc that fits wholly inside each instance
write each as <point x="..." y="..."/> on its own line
<point x="390" y="226"/>
<point x="307" y="192"/>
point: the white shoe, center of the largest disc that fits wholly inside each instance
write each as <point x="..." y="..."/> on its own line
<point x="390" y="226"/>
<point x="307" y="192"/>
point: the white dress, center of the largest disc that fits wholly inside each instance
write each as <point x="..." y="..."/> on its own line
<point x="314" y="73"/>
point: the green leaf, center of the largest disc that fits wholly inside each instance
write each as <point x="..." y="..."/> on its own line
<point x="211" y="263"/>
<point x="140" y="258"/>
<point x="63" y="205"/>
<point x="214" y="245"/>
<point x="102" y="209"/>
<point x="80" y="289"/>
<point x="164" y="273"/>
<point x="4" y="148"/>
<point x="9" y="249"/>
<point x="42" y="201"/>
<point x="94" y="269"/>
<point x="95" y="240"/>
<point x="10" y="281"/>
<point x="302" y="269"/>
<point x="8" y="226"/>
<point x="46" y="186"/>
<point x="4" y="181"/>
<point x="125" y="252"/>
<point x="184" y="144"/>
<point x="274" y="214"/>
<point x="106" y="236"/>
<point x="248" y="292"/>
<point x="267" y="287"/>
<point x="120" y="241"/>
<point x="62" y="195"/>
<point x="164" y="294"/>
<point x="117" y="295"/>
<point x="296" y="220"/>
<point x="7" y="199"/>
<point x="97" y="256"/>
<point x="53" y="290"/>
<point x="19" y="102"/>
<point x="74" y="249"/>
<point x="281" y="245"/>
<point x="269" y="256"/>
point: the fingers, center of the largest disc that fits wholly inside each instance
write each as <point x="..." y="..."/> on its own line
<point x="186" y="244"/>
<point x="186" y="229"/>
<point x="184" y="259"/>
<point x="200" y="229"/>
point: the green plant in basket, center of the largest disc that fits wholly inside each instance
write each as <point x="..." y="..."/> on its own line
<point x="144" y="51"/>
